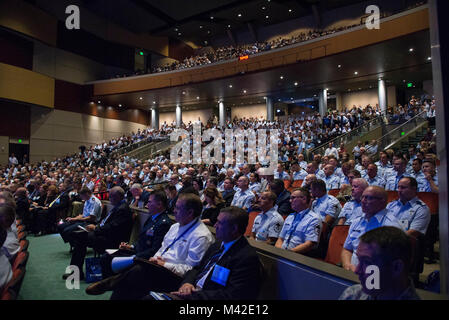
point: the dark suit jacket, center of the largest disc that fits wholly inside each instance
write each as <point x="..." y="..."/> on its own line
<point x="283" y="203"/>
<point x="228" y="196"/>
<point x="64" y="202"/>
<point x="118" y="227"/>
<point x="152" y="234"/>
<point x="22" y="207"/>
<point x="244" y="277"/>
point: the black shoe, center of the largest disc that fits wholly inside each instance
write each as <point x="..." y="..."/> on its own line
<point x="66" y="275"/>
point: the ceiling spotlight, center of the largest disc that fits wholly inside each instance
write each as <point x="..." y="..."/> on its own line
<point x="266" y="17"/>
<point x="281" y="77"/>
<point x="411" y="50"/>
<point x="208" y="31"/>
<point x="429" y="58"/>
<point x="230" y="86"/>
<point x="291" y="98"/>
<point x="263" y="8"/>
<point x="356" y="73"/>
<point x="140" y="98"/>
<point x="99" y="101"/>
<point x="296" y="83"/>
<point x="154" y="102"/>
<point x="201" y="27"/>
<point x="229" y="25"/>
<point x="176" y="29"/>
<point x="279" y="110"/>
<point x="120" y="105"/>
<point x="183" y="92"/>
<point x="211" y="17"/>
<point x="339" y="66"/>
<point x="239" y="15"/>
<point x="244" y="91"/>
<point x="197" y="98"/>
<point x="92" y="102"/>
<point x="290" y="10"/>
<point x="179" y="33"/>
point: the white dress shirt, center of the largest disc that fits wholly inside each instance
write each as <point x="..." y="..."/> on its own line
<point x="187" y="251"/>
<point x="5" y="269"/>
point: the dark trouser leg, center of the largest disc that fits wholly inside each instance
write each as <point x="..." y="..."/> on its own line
<point x="68" y="227"/>
<point x="142" y="278"/>
<point x="79" y="243"/>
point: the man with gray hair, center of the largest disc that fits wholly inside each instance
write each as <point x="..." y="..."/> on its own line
<point x="140" y="196"/>
<point x="114" y="229"/>
<point x="353" y="208"/>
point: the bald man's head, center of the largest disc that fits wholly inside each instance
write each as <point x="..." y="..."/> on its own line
<point x="374" y="199"/>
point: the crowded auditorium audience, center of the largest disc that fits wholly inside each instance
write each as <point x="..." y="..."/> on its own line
<point x="295" y="208"/>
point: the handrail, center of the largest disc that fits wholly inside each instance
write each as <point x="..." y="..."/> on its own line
<point x="350" y="133"/>
<point x="386" y="139"/>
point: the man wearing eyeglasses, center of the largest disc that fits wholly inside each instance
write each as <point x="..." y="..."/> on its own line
<point x="374" y="202"/>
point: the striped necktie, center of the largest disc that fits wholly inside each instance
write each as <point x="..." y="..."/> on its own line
<point x="213" y="260"/>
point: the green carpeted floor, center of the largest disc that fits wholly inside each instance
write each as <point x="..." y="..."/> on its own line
<point x="49" y="257"/>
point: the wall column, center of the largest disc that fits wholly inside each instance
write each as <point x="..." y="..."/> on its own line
<point x="221" y="114"/>
<point x="323" y="102"/>
<point x="270" y="109"/>
<point x="382" y="95"/>
<point x="178" y="116"/>
<point x="155" y="118"/>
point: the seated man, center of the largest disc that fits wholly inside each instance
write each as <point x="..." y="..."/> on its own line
<point x="392" y="177"/>
<point x="332" y="180"/>
<point x="228" y="191"/>
<point x="297" y="173"/>
<point x="230" y="269"/>
<point x="374" y="202"/>
<point x="412" y="213"/>
<point x="244" y="197"/>
<point x="390" y="250"/>
<point x="353" y="208"/>
<point x="5" y="265"/>
<point x="140" y="196"/>
<point x="150" y="238"/>
<point x="373" y="178"/>
<point x="114" y="229"/>
<point x="183" y="247"/>
<point x="268" y="224"/>
<point x="282" y="197"/>
<point x="428" y="183"/>
<point x="11" y="244"/>
<point x="91" y="214"/>
<point x="301" y="230"/>
<point x="324" y="205"/>
<point x="172" y="197"/>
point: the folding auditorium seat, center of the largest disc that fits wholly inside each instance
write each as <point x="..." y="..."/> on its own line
<point x="287" y="184"/>
<point x="21" y="260"/>
<point x="16" y="282"/>
<point x="431" y="200"/>
<point x="333" y="192"/>
<point x="252" y="217"/>
<point x="21" y="236"/>
<point x="8" y="295"/>
<point x="296" y="184"/>
<point x="336" y="242"/>
<point x="392" y="195"/>
<point x="24" y="245"/>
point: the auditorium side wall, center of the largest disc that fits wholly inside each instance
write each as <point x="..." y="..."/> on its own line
<point x="57" y="133"/>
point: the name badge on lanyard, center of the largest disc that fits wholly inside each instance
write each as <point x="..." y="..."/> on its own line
<point x="220" y="275"/>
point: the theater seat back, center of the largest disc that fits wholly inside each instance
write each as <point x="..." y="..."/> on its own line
<point x="336" y="242"/>
<point x="252" y="217"/>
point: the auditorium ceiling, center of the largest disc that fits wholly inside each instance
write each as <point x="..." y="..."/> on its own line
<point x="391" y="60"/>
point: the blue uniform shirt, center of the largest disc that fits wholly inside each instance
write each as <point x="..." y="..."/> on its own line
<point x="332" y="182"/>
<point x="414" y="215"/>
<point x="392" y="180"/>
<point x="268" y="225"/>
<point x="326" y="206"/>
<point x="283" y="176"/>
<point x="376" y="181"/>
<point x="424" y="185"/>
<point x="243" y="199"/>
<point x="299" y="175"/>
<point x="351" y="211"/>
<point x="361" y="225"/>
<point x="300" y="227"/>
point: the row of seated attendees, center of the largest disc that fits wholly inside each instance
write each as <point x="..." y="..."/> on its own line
<point x="234" y="52"/>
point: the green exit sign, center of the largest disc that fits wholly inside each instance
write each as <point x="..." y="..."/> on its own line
<point x="20" y="140"/>
<point x="141" y="53"/>
<point x="409" y="85"/>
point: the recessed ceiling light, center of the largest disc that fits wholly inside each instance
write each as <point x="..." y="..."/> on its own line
<point x="244" y="91"/>
<point x="140" y="98"/>
<point x="239" y="15"/>
<point x="176" y="29"/>
<point x="263" y="8"/>
<point x="179" y="33"/>
<point x="356" y="73"/>
<point x="230" y="86"/>
<point x="339" y="66"/>
<point x="197" y="98"/>
<point x="281" y="77"/>
<point x="229" y="25"/>
<point x="429" y="58"/>
<point x="291" y="98"/>
<point x="411" y="50"/>
<point x="154" y="102"/>
<point x="183" y="92"/>
<point x="92" y="102"/>
<point x="290" y="10"/>
<point x="99" y="101"/>
<point x="208" y="31"/>
<point x="267" y="17"/>
<point x="201" y="27"/>
<point x="211" y="17"/>
<point x="296" y="83"/>
<point x="119" y="105"/>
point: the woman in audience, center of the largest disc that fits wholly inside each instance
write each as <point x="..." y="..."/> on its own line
<point x="213" y="204"/>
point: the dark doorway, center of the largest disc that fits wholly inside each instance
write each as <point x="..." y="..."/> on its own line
<point x="19" y="151"/>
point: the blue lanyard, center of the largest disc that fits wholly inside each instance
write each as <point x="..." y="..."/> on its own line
<point x="295" y="223"/>
<point x="179" y="237"/>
